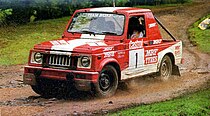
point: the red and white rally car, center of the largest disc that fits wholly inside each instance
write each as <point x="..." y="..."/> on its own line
<point x="96" y="51"/>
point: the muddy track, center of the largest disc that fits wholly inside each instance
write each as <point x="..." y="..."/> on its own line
<point x="19" y="100"/>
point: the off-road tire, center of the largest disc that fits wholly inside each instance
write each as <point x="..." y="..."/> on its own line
<point x="107" y="82"/>
<point x="48" y="88"/>
<point x="165" y="70"/>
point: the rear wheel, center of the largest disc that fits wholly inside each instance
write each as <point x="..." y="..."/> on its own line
<point x="107" y="82"/>
<point x="165" y="70"/>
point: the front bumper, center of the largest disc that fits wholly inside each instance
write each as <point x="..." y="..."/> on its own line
<point x="82" y="79"/>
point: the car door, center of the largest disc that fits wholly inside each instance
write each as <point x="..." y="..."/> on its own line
<point x="136" y="49"/>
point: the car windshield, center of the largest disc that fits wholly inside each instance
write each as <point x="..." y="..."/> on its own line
<point x="97" y="23"/>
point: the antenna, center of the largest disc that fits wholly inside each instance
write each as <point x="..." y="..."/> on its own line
<point x="113" y="3"/>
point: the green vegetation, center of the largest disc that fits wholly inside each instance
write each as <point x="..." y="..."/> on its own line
<point x="15" y="42"/>
<point x="24" y="11"/>
<point x="196" y="104"/>
<point x="199" y="37"/>
<point x="4" y="14"/>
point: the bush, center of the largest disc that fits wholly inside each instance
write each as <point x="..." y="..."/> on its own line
<point x="3" y="15"/>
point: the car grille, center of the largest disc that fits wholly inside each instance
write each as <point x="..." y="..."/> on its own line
<point x="59" y="61"/>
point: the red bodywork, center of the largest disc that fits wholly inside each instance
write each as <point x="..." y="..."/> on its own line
<point x="115" y="50"/>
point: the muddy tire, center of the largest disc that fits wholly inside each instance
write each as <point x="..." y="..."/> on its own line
<point x="107" y="82"/>
<point x="48" y="88"/>
<point x="165" y="70"/>
<point x="37" y="89"/>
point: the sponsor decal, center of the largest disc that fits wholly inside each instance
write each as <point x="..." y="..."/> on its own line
<point x="108" y="49"/>
<point x="96" y="15"/>
<point x="151" y="60"/>
<point x="106" y="15"/>
<point x="90" y="14"/>
<point x="152" y="25"/>
<point x="108" y="54"/>
<point x="177" y="47"/>
<point x="158" y="41"/>
<point x="151" y="56"/>
<point x="177" y="53"/>
<point x="121" y="54"/>
<point x="135" y="45"/>
<point x="177" y="50"/>
<point x="152" y="52"/>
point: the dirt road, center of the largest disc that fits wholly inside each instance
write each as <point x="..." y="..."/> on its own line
<point x="17" y="99"/>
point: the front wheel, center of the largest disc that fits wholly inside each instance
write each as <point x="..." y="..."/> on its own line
<point x="165" y="70"/>
<point x="49" y="88"/>
<point x="107" y="82"/>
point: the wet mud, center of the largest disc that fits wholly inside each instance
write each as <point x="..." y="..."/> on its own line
<point x="17" y="99"/>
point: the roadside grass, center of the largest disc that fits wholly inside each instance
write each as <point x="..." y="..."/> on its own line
<point x="15" y="42"/>
<point x="200" y="38"/>
<point x="196" y="104"/>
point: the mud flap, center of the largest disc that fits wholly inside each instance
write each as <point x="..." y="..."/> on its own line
<point x="83" y="85"/>
<point x="175" y="70"/>
<point x="29" y="79"/>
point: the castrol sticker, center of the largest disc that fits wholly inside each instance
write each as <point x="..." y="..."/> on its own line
<point x="136" y="44"/>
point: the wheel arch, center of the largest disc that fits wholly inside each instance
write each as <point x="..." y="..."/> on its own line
<point x="171" y="55"/>
<point x="117" y="67"/>
<point x="175" y="68"/>
<point x="113" y="62"/>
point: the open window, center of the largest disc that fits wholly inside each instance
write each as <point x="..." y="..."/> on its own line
<point x="136" y="27"/>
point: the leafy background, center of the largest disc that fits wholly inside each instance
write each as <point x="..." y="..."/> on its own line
<point x="24" y="11"/>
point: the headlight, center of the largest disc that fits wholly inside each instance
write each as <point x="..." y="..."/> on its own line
<point x="85" y="61"/>
<point x="38" y="57"/>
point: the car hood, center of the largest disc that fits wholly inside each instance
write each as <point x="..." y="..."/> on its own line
<point x="75" y="45"/>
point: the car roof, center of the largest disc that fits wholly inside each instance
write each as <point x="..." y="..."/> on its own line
<point x="128" y="10"/>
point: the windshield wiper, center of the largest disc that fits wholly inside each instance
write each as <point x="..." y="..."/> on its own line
<point x="110" y="33"/>
<point x="88" y="32"/>
<point x="73" y="32"/>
